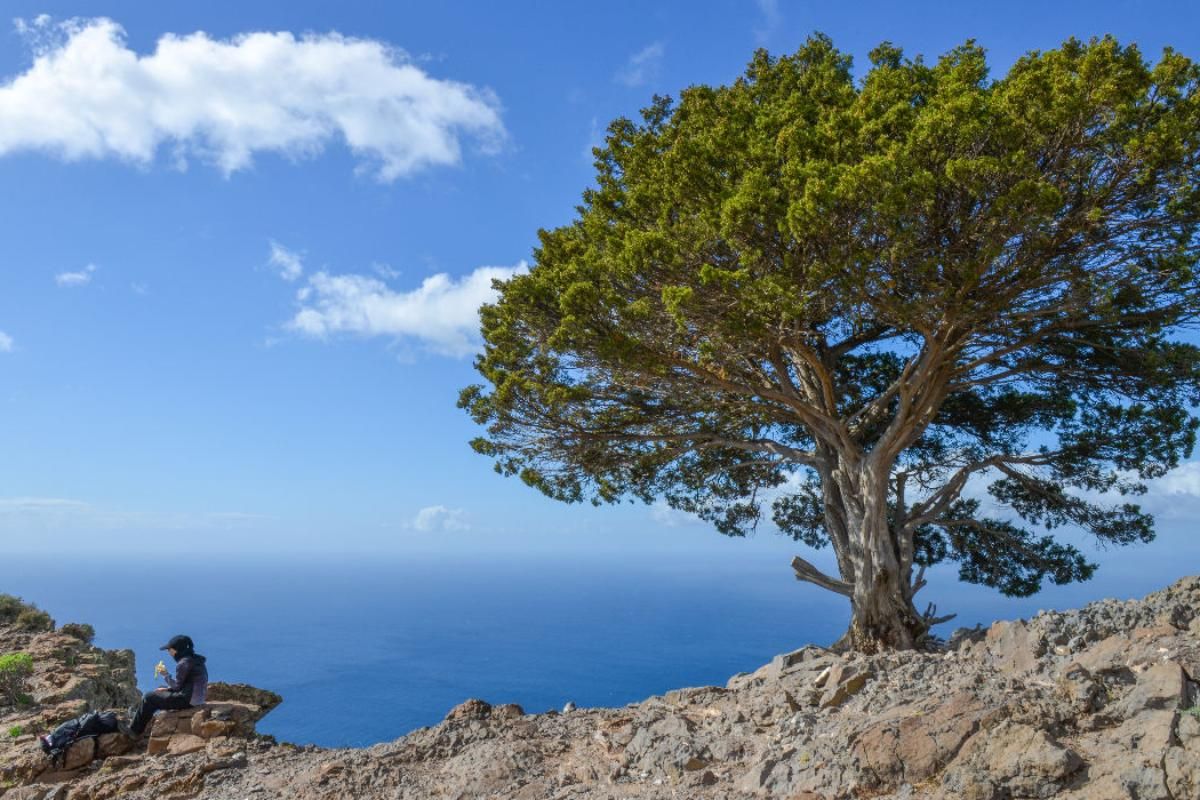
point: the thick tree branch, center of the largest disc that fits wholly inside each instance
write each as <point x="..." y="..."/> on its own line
<point x="807" y="572"/>
<point x="820" y="424"/>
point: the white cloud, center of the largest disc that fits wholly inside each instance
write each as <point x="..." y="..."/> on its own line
<point x="6" y="343"/>
<point x="10" y="505"/>
<point x="1183" y="480"/>
<point x="88" y="95"/>
<point x="385" y="271"/>
<point x="18" y="512"/>
<point x="286" y="262"/>
<point x="441" y="518"/>
<point x="771" y="17"/>
<point x="72" y="279"/>
<point x="642" y="67"/>
<point x="1175" y="495"/>
<point x="442" y="313"/>
<point x="595" y="140"/>
<point x="669" y="517"/>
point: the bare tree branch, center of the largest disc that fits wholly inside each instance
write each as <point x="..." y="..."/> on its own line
<point x="807" y="572"/>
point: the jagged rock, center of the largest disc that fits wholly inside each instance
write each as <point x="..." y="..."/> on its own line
<point x="914" y="747"/>
<point x="1182" y="762"/>
<point x="183" y="743"/>
<point x="245" y="694"/>
<point x="79" y="754"/>
<point x="1010" y="761"/>
<point x="158" y="744"/>
<point x="469" y="709"/>
<point x="113" y="744"/>
<point x="843" y="682"/>
<point x="1011" y="648"/>
<point x="1081" y="689"/>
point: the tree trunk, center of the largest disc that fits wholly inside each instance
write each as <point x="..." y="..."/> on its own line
<point x="883" y="615"/>
<point x="883" y="618"/>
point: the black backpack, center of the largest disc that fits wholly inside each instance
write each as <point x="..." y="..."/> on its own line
<point x="93" y="723"/>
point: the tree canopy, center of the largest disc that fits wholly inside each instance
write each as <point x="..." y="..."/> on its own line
<point x="852" y="297"/>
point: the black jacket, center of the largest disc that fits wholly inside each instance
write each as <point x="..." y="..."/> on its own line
<point x="191" y="679"/>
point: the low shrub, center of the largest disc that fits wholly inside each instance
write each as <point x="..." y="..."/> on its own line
<point x="15" y="731"/>
<point x="9" y="607"/>
<point x="15" y="669"/>
<point x="34" y="619"/>
<point x="80" y="630"/>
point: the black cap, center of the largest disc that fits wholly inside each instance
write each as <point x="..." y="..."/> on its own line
<point x="179" y="643"/>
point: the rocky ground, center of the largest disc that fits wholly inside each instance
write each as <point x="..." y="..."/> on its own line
<point x="1096" y="703"/>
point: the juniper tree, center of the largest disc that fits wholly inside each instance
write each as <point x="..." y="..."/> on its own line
<point x="856" y="299"/>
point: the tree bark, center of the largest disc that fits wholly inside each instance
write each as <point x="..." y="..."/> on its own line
<point x="872" y="564"/>
<point x="884" y="617"/>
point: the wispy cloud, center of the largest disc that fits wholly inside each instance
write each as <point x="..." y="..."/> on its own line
<point x="286" y="262"/>
<point x="595" y="140"/>
<point x="643" y="66"/>
<point x="770" y="19"/>
<point x="10" y="505"/>
<point x="6" y="343"/>
<point x="440" y="518"/>
<point x="88" y="95"/>
<point x="442" y="313"/>
<point x="82" y="277"/>
<point x="56" y="512"/>
<point x="669" y="517"/>
<point x="385" y="271"/>
<point x="1183" y="480"/>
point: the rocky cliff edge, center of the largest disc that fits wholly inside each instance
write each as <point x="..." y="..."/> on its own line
<point x="1095" y="703"/>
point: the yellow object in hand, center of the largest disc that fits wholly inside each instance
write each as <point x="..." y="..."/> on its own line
<point x="160" y="669"/>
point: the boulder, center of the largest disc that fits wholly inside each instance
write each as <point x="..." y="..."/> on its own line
<point x="1010" y="647"/>
<point x="1182" y="762"/>
<point x="245" y="694"/>
<point x="843" y="682"/>
<point x="79" y="754"/>
<point x="113" y="744"/>
<point x="184" y="743"/>
<point x="1012" y="760"/>
<point x="917" y="746"/>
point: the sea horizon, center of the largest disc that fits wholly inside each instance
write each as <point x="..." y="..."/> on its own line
<point x="366" y="649"/>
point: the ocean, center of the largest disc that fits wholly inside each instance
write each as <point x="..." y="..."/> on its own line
<point x="365" y="650"/>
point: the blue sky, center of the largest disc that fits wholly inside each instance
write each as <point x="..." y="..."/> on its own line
<point x="221" y="321"/>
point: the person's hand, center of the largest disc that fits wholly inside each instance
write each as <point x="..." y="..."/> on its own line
<point x="161" y="689"/>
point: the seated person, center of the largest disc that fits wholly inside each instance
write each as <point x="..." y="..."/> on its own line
<point x="188" y="688"/>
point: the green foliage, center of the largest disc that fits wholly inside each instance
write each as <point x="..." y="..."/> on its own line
<point x="15" y="669"/>
<point x="34" y="619"/>
<point x="80" y="630"/>
<point x="24" y="615"/>
<point x="10" y="607"/>
<point x="15" y="731"/>
<point x="822" y="290"/>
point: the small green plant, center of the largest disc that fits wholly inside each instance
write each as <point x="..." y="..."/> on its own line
<point x="80" y="630"/>
<point x="34" y="619"/>
<point x="1194" y="711"/>
<point x="15" y="669"/>
<point x="15" y="731"/>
